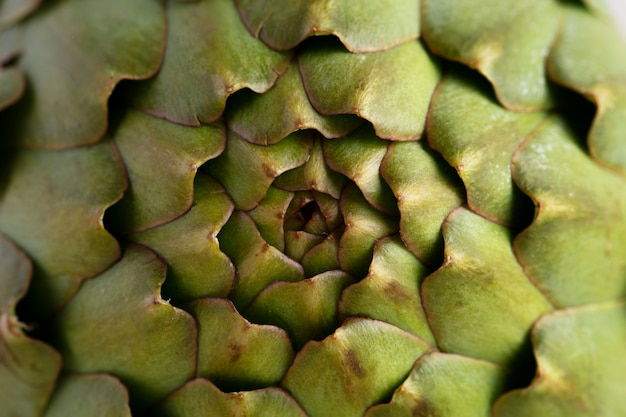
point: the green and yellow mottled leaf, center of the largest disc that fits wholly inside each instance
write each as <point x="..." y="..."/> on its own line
<point x="247" y="170"/>
<point x="506" y="40"/>
<point x="201" y="398"/>
<point x="364" y="226"/>
<point x="358" y="156"/>
<point x="391" y="290"/>
<point x="575" y="249"/>
<point x="390" y="89"/>
<point x="161" y="161"/>
<point x="307" y="309"/>
<point x="209" y="55"/>
<point x="257" y="264"/>
<point x="589" y="57"/>
<point x="581" y="355"/>
<point x="117" y="323"/>
<point x="478" y="137"/>
<point x="362" y="25"/>
<point x="476" y="295"/>
<point x="444" y="385"/>
<point x="323" y="257"/>
<point x="73" y="60"/>
<point x="359" y="365"/>
<point x="267" y="118"/>
<point x="427" y="190"/>
<point x="52" y="207"/>
<point x="235" y="353"/>
<point x="313" y="175"/>
<point x="269" y="216"/>
<point x="189" y="245"/>
<point x="89" y="395"/>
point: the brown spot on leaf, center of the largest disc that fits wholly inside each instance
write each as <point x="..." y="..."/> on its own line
<point x="354" y="364"/>
<point x="422" y="409"/>
<point x="396" y="292"/>
<point x="234" y="351"/>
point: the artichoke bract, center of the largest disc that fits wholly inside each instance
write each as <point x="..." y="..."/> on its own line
<point x="312" y="208"/>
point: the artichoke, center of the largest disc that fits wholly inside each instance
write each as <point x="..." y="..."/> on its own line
<point x="312" y="208"/>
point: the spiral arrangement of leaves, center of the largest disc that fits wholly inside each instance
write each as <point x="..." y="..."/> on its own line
<point x="212" y="210"/>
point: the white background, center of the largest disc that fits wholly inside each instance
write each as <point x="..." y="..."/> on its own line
<point x="618" y="7"/>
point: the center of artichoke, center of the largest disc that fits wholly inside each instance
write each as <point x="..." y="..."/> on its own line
<point x="311" y="218"/>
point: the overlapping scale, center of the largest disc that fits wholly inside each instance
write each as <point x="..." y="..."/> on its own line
<point x="234" y="353"/>
<point x="577" y="61"/>
<point x="506" y="40"/>
<point x="481" y="151"/>
<point x="444" y="385"/>
<point x="209" y="55"/>
<point x="197" y="268"/>
<point x="67" y="49"/>
<point x="12" y="85"/>
<point x="52" y="206"/>
<point x="475" y="296"/>
<point x="581" y="365"/>
<point x="391" y="290"/>
<point x="357" y="366"/>
<point x="306" y="309"/>
<point x="118" y="323"/>
<point x="362" y="25"/>
<point x="267" y="118"/>
<point x="28" y="368"/>
<point x="365" y="229"/>
<point x="161" y="160"/>
<point x="575" y="249"/>
<point x="100" y="394"/>
<point x="391" y="89"/>
<point x="201" y="398"/>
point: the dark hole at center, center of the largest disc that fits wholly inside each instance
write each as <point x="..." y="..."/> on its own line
<point x="306" y="212"/>
<point x="299" y="219"/>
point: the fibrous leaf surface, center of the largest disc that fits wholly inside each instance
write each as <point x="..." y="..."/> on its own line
<point x="201" y="398"/>
<point x="581" y="355"/>
<point x="427" y="190"/>
<point x="390" y="89"/>
<point x="362" y="25"/>
<point x="358" y="156"/>
<point x="478" y="137"/>
<point x="28" y="367"/>
<point x="73" y="60"/>
<point x="196" y="266"/>
<point x="209" y="55"/>
<point x="575" y="249"/>
<point x="257" y="264"/>
<point x="444" y="385"/>
<point x="364" y="226"/>
<point x="506" y="40"/>
<point x="247" y="170"/>
<point x="267" y="118"/>
<point x="52" y="206"/>
<point x="357" y="366"/>
<point x="577" y="62"/>
<point x="161" y="161"/>
<point x="99" y="395"/>
<point x="391" y="290"/>
<point x="306" y="309"/>
<point x="235" y="353"/>
<point x="475" y="296"/>
<point x="118" y="323"/>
